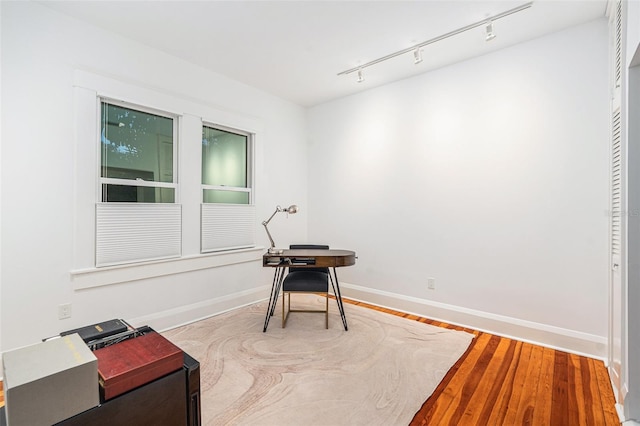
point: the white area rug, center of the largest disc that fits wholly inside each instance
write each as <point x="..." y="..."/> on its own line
<point x="377" y="373"/>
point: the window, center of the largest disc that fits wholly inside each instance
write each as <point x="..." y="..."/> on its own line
<point x="138" y="189"/>
<point x="227" y="214"/>
<point x="225" y="166"/>
<point x="137" y="155"/>
<point x="137" y="217"/>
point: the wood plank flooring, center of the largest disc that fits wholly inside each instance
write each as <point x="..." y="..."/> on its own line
<point x="501" y="381"/>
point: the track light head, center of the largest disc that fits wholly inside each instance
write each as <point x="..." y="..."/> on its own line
<point x="417" y="56"/>
<point x="490" y="34"/>
<point x="360" y="76"/>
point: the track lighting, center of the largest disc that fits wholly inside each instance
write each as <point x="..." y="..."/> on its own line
<point x="417" y="49"/>
<point x="490" y="34"/>
<point x="417" y="56"/>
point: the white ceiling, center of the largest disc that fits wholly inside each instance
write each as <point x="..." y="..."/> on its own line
<point x="295" y="49"/>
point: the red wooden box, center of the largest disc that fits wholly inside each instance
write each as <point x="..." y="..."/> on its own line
<point x="135" y="362"/>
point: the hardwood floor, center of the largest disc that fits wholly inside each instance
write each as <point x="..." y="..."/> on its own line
<point x="501" y="381"/>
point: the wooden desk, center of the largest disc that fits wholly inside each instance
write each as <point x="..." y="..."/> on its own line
<point x="306" y="258"/>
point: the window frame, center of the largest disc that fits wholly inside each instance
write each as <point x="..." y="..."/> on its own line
<point x="250" y="165"/>
<point x="130" y="182"/>
<point x="88" y="88"/>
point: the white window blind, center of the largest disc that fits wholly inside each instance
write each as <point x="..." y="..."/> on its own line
<point x="134" y="232"/>
<point x="227" y="226"/>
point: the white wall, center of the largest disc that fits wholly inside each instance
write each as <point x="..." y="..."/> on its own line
<point x="632" y="33"/>
<point x="491" y="176"/>
<point x="41" y="54"/>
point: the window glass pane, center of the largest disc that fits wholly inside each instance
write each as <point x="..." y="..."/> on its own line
<point x="224" y="158"/>
<point x="226" y="197"/>
<point x="137" y="194"/>
<point x="135" y="144"/>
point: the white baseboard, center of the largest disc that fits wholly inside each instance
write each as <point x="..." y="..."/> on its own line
<point x="527" y="331"/>
<point x="540" y="334"/>
<point x="620" y="412"/>
<point x="172" y="318"/>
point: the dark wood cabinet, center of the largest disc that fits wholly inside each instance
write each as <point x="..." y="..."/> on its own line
<point x="170" y="400"/>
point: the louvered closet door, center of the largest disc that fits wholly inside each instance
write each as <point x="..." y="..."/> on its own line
<point x="617" y="204"/>
<point x="616" y="249"/>
<point x="616" y="191"/>
<point x="616" y="252"/>
<point x="617" y="46"/>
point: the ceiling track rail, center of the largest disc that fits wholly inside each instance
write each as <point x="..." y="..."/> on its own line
<point x="413" y="48"/>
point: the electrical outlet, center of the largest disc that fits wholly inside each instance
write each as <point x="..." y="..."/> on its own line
<point x="431" y="283"/>
<point x="64" y="311"/>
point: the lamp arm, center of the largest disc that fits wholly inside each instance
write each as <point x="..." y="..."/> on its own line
<point x="266" y="222"/>
<point x="273" y="245"/>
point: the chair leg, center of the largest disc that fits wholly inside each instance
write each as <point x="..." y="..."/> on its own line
<point x="326" y="311"/>
<point x="286" y="310"/>
<point x="284" y="297"/>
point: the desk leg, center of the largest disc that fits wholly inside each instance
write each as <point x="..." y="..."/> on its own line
<point x="336" y="292"/>
<point x="278" y="287"/>
<point x="278" y="277"/>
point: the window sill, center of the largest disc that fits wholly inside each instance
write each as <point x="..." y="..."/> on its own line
<point x="97" y="277"/>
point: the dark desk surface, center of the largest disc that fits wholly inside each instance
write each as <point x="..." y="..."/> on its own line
<point x="321" y="258"/>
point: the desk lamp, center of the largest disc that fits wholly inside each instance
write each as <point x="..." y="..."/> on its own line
<point x="292" y="209"/>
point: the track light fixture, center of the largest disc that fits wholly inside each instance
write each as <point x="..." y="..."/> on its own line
<point x="490" y="35"/>
<point x="417" y="56"/>
<point x="416" y="49"/>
